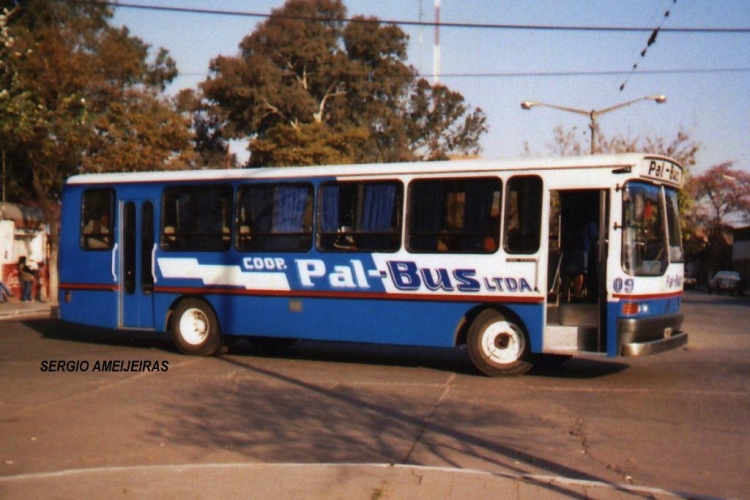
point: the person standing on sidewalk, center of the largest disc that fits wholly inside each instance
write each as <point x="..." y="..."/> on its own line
<point x="26" y="274"/>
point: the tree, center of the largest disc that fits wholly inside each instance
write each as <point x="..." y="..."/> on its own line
<point x="308" y="144"/>
<point x="720" y="193"/>
<point x="208" y="141"/>
<point x="681" y="147"/>
<point x="81" y="96"/>
<point x="306" y="79"/>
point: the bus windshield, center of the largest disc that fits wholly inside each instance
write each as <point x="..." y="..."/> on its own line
<point x="651" y="230"/>
<point x="673" y="222"/>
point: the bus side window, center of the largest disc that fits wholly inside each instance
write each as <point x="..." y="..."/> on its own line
<point x="274" y="218"/>
<point x="197" y="218"/>
<point x="454" y="215"/>
<point x="523" y="215"/>
<point x="97" y="219"/>
<point x="360" y="216"/>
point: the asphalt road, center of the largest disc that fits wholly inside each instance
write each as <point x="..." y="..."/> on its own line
<point x="679" y="421"/>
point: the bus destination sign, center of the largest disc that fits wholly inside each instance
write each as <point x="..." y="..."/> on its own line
<point x="662" y="170"/>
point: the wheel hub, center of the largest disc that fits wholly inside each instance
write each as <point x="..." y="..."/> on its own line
<point x="503" y="343"/>
<point x="194" y="326"/>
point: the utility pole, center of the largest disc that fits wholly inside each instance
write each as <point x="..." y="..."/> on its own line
<point x="3" y="178"/>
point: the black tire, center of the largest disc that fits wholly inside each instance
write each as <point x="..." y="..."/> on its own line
<point x="554" y="360"/>
<point x="498" y="346"/>
<point x="195" y="328"/>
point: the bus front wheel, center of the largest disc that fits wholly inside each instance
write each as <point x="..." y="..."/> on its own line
<point x="498" y="346"/>
<point x="195" y="328"/>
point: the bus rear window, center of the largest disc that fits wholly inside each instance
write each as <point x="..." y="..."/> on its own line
<point x="197" y="218"/>
<point x="97" y="210"/>
<point x="274" y="218"/>
<point x="454" y="215"/>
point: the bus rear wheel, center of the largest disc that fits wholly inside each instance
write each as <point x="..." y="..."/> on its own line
<point x="498" y="346"/>
<point x="195" y="328"/>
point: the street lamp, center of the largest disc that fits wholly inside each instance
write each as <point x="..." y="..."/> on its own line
<point x="594" y="114"/>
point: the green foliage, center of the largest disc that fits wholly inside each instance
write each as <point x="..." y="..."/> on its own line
<point x="209" y="144"/>
<point x="79" y="96"/>
<point x="435" y="125"/>
<point x="304" y="70"/>
<point x="307" y="144"/>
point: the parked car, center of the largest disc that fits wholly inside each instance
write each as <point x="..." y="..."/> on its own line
<point x="726" y="281"/>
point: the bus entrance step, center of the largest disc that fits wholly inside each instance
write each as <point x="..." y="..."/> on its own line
<point x="579" y="315"/>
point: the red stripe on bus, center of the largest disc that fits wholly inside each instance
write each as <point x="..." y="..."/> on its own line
<point x="89" y="286"/>
<point x="464" y="297"/>
<point x="670" y="295"/>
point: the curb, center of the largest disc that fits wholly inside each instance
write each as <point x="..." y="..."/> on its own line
<point x="13" y="311"/>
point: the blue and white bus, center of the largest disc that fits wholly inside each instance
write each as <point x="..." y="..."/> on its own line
<point x="511" y="259"/>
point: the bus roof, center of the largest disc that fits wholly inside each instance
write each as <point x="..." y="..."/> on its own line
<point x="614" y="162"/>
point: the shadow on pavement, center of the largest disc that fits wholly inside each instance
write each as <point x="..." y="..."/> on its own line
<point x="442" y="359"/>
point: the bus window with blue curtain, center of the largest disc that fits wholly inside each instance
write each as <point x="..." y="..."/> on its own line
<point x="360" y="216"/>
<point x="274" y="218"/>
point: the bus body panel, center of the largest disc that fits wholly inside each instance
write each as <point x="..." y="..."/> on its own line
<point x="641" y="334"/>
<point x="91" y="275"/>
<point x="134" y="279"/>
<point x="644" y="310"/>
<point x="378" y="298"/>
<point x="380" y="321"/>
<point x="89" y="306"/>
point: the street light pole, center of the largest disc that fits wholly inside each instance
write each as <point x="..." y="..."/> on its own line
<point x="594" y="114"/>
<point x="3" y="178"/>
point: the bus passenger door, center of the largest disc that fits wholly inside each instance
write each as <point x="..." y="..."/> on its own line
<point x="576" y="300"/>
<point x="136" y="263"/>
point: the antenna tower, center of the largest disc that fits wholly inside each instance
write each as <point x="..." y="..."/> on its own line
<point x="436" y="49"/>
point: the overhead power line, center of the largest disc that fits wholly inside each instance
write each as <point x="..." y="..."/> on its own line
<point x="515" y="74"/>
<point x="442" y="24"/>
<point x="649" y="43"/>
<point x="542" y="74"/>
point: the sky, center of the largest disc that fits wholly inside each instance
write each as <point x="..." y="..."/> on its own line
<point x="705" y="76"/>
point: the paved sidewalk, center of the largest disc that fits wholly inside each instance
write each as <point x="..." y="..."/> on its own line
<point x="15" y="310"/>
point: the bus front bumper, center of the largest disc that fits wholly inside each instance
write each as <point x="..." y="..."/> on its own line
<point x="644" y="336"/>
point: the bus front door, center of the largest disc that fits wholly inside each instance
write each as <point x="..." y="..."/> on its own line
<point x="136" y="295"/>
<point x="576" y="305"/>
